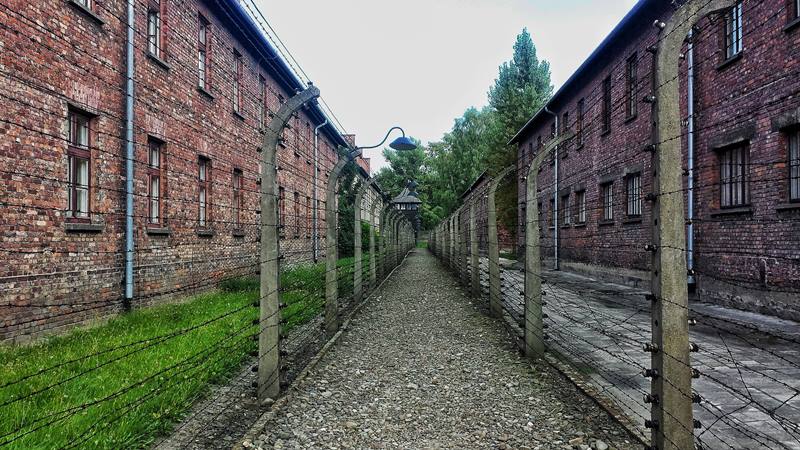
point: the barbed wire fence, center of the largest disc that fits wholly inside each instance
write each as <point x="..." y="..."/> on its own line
<point x="604" y="336"/>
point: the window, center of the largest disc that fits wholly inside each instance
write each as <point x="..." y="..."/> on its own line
<point x="237" y="197"/>
<point x="565" y="122"/>
<point x="606" y="115"/>
<point x="154" y="165"/>
<point x="733" y="31"/>
<point x="154" y="43"/>
<point x="796" y="9"/>
<point x="633" y="190"/>
<point x="566" y="217"/>
<point x="579" y="123"/>
<point x="794" y="166"/>
<point x="552" y="215"/>
<point x="202" y="52"/>
<point x="309" y="216"/>
<point x="631" y="78"/>
<point x="607" y="197"/>
<point x="78" y="161"/>
<point x="553" y="129"/>
<point x="87" y="3"/>
<point x="237" y="81"/>
<point x="281" y="210"/>
<point x="296" y="215"/>
<point x="734" y="163"/>
<point x="204" y="191"/>
<point x="580" y="202"/>
<point x="538" y="142"/>
<point x="262" y="102"/>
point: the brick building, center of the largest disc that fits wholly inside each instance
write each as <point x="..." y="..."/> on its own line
<point x="206" y="80"/>
<point x="745" y="145"/>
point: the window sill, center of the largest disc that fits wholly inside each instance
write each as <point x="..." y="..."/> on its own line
<point x="88" y="12"/>
<point x="205" y="233"/>
<point x="792" y="25"/>
<point x="631" y="118"/>
<point x="158" y="231"/>
<point x="580" y="225"/>
<point x="728" y="62"/>
<point x="605" y="133"/>
<point x="605" y="223"/>
<point x="732" y="211"/>
<point x="632" y="220"/>
<point x="580" y="146"/>
<point x="239" y="115"/>
<point x="83" y="227"/>
<point x="159" y="62"/>
<point x="237" y="233"/>
<point x="203" y="91"/>
<point x="566" y="225"/>
<point x="788" y="206"/>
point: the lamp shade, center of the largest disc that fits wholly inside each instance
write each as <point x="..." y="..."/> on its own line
<point x="403" y="143"/>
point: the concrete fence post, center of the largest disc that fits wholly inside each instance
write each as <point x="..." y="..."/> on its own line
<point x="331" y="251"/>
<point x="533" y="322"/>
<point x="373" y="258"/>
<point x="672" y="424"/>
<point x="464" y="245"/>
<point x="358" y="265"/>
<point x="495" y="294"/>
<point x="269" y="304"/>
<point x="473" y="246"/>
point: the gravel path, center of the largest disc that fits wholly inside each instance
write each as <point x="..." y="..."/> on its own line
<point x="421" y="368"/>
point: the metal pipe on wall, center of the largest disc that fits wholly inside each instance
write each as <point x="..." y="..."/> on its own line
<point x="129" y="155"/>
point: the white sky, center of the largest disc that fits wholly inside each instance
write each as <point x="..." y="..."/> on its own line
<point x="420" y="63"/>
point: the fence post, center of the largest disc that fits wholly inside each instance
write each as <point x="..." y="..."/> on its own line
<point x="373" y="259"/>
<point x="331" y="251"/>
<point x="464" y="247"/>
<point x="453" y="241"/>
<point x="533" y="322"/>
<point x="672" y="424"/>
<point x="473" y="245"/>
<point x="495" y="300"/>
<point x="269" y="312"/>
<point x="358" y="266"/>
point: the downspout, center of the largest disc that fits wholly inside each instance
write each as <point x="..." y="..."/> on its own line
<point x="315" y="201"/>
<point x="557" y="265"/>
<point x="129" y="155"/>
<point x="690" y="160"/>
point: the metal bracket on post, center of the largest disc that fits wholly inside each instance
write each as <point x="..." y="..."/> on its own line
<point x="495" y="295"/>
<point x="670" y="312"/>
<point x="533" y="322"/>
<point x="269" y="313"/>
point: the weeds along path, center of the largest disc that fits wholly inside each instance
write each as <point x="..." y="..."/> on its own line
<point x="420" y="367"/>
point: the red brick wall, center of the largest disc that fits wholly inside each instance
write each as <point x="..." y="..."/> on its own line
<point x="743" y="99"/>
<point x="55" y="55"/>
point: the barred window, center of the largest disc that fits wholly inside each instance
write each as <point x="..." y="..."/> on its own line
<point x="87" y="3"/>
<point x="238" y="199"/>
<point x="579" y="122"/>
<point x="202" y="52"/>
<point x="154" y="165"/>
<point x="794" y="166"/>
<point x="78" y="164"/>
<point x="733" y="31"/>
<point x="237" y="81"/>
<point x="797" y="9"/>
<point x="606" y="115"/>
<point x="552" y="215"/>
<point x="580" y="202"/>
<point x="566" y="217"/>
<point x="282" y="211"/>
<point x="734" y="189"/>
<point x="607" y="197"/>
<point x="633" y="187"/>
<point x="296" y="215"/>
<point x="154" y="40"/>
<point x="204" y="191"/>
<point x="262" y="101"/>
<point x="631" y="77"/>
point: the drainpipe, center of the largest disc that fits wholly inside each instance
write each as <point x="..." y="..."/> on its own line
<point x="557" y="265"/>
<point x="690" y="182"/>
<point x="315" y="202"/>
<point x="129" y="155"/>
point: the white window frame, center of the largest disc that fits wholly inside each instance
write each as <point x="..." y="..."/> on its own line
<point x="794" y="165"/>
<point x="733" y="31"/>
<point x="154" y="31"/>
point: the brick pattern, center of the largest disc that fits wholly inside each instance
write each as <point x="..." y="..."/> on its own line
<point x="56" y="56"/>
<point x="741" y="255"/>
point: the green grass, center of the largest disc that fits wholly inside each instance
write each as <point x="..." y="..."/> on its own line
<point x="508" y="255"/>
<point x="122" y="384"/>
<point x="422" y="244"/>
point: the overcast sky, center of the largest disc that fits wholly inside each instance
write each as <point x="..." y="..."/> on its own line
<point x="420" y="63"/>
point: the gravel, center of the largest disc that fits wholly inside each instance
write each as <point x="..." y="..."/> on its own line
<point x="420" y="367"/>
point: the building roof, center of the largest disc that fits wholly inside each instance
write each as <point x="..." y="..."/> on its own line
<point x="406" y="197"/>
<point x="250" y="34"/>
<point x="644" y="9"/>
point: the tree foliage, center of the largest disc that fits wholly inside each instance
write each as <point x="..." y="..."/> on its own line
<point x="478" y="141"/>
